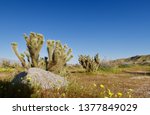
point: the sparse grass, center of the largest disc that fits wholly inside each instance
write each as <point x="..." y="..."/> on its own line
<point x="110" y="70"/>
<point x="6" y="70"/>
<point x="137" y="68"/>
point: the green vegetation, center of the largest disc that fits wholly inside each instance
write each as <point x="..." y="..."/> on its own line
<point x="6" y="69"/>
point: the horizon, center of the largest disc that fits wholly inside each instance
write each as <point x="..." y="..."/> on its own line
<point x="114" y="29"/>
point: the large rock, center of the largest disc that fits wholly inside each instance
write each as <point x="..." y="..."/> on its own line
<point x="41" y="78"/>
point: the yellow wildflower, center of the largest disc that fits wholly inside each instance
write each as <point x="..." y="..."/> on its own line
<point x="119" y="94"/>
<point x="63" y="94"/>
<point x="28" y="78"/>
<point x="110" y="93"/>
<point x="102" y="86"/>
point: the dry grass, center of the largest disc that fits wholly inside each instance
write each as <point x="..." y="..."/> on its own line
<point x="118" y="83"/>
<point x="85" y="85"/>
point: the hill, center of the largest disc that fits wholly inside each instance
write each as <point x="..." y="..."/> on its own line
<point x="138" y="59"/>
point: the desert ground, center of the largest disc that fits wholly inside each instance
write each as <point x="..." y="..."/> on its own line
<point x="108" y="82"/>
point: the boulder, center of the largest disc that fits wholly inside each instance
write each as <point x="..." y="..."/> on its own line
<point x="41" y="78"/>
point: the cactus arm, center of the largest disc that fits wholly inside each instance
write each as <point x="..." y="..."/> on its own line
<point x="50" y="46"/>
<point x="69" y="58"/>
<point x="21" y="58"/>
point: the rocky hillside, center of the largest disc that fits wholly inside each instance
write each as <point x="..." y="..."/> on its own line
<point x="139" y="59"/>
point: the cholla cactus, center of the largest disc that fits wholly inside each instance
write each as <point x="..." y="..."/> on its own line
<point x="90" y="64"/>
<point x="58" y="55"/>
<point x="97" y="59"/>
<point x="20" y="56"/>
<point x="34" y="44"/>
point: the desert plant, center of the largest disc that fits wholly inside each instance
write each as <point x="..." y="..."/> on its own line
<point x="34" y="44"/>
<point x="6" y="63"/>
<point x="58" y="55"/>
<point x="89" y="63"/>
<point x="20" y="56"/>
<point x="15" y="65"/>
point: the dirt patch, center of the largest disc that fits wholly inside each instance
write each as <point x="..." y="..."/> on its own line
<point x="138" y="72"/>
<point x="140" y="77"/>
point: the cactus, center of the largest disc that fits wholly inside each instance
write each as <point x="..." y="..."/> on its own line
<point x="28" y="57"/>
<point x="88" y="63"/>
<point x="34" y="44"/>
<point x="58" y="55"/>
<point x="20" y="56"/>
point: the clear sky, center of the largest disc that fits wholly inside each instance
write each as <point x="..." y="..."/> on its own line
<point x="112" y="28"/>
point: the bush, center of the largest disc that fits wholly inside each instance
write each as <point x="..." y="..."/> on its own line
<point x="6" y="64"/>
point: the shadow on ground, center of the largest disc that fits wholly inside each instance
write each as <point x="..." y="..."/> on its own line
<point x="8" y="89"/>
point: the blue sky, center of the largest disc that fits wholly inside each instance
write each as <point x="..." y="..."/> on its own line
<point x="112" y="28"/>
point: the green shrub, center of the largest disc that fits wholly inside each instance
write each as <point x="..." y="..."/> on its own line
<point x="108" y="67"/>
<point x="125" y="65"/>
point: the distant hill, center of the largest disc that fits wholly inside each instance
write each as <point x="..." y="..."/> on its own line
<point x="139" y="59"/>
